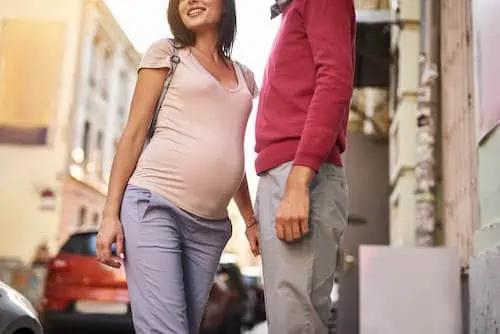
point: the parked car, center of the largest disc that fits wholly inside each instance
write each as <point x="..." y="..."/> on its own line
<point x="82" y="293"/>
<point x="215" y="315"/>
<point x="256" y="308"/>
<point x="230" y="297"/>
<point x="17" y="315"/>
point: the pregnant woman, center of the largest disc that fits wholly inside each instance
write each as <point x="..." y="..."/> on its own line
<point x="166" y="208"/>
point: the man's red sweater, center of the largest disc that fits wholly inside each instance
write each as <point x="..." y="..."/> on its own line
<point x="308" y="82"/>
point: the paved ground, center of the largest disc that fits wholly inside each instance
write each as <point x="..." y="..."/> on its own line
<point x="259" y="329"/>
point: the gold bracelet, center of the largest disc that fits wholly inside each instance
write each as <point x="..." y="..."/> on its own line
<point x="253" y="222"/>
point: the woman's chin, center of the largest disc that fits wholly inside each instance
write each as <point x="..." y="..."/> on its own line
<point x="200" y="26"/>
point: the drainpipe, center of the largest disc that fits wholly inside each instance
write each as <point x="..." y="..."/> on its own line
<point x="427" y="118"/>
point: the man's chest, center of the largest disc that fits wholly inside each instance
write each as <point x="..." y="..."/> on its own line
<point x="291" y="46"/>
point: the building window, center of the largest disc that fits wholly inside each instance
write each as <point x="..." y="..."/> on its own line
<point x="94" y="55"/>
<point x="82" y="216"/>
<point x="99" y="153"/>
<point x="95" y="219"/>
<point x="122" y="99"/>
<point x="85" y="140"/>
<point x="121" y="116"/>
<point x="106" y="74"/>
<point x="123" y="86"/>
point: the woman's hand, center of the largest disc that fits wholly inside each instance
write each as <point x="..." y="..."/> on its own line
<point x="244" y="203"/>
<point x="252" y="234"/>
<point x="110" y="233"/>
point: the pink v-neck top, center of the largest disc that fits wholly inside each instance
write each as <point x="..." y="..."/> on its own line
<point x="196" y="156"/>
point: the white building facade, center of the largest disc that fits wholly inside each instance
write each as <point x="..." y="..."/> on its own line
<point x="108" y="74"/>
<point x="67" y="72"/>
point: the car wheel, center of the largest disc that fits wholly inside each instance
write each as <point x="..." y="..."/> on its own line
<point x="50" y="330"/>
<point x="24" y="331"/>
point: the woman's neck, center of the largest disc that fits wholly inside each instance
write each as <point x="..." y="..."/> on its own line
<point x="206" y="44"/>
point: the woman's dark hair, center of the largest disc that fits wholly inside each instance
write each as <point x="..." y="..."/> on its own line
<point x="227" y="27"/>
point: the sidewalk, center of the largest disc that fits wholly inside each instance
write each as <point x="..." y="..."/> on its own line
<point x="259" y="329"/>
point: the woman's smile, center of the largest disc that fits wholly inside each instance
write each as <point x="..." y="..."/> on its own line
<point x="200" y="16"/>
<point x="196" y="11"/>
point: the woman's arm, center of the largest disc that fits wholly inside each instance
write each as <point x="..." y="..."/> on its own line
<point x="146" y="94"/>
<point x="244" y="203"/>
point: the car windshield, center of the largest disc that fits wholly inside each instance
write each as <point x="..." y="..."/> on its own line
<point x="82" y="244"/>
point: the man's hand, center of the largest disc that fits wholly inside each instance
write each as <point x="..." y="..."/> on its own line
<point x="292" y="218"/>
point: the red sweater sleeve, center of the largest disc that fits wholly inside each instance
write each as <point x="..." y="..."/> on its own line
<point x="330" y="28"/>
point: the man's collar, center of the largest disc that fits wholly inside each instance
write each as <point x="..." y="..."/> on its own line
<point x="278" y="7"/>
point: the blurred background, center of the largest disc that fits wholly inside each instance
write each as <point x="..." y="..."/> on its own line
<point x="422" y="161"/>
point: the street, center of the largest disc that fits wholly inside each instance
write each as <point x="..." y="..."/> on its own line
<point x="259" y="329"/>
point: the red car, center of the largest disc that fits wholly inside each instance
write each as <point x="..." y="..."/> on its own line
<point x="82" y="293"/>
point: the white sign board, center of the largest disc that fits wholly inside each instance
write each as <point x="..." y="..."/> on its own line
<point x="409" y="291"/>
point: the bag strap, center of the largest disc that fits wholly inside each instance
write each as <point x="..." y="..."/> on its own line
<point x="250" y="85"/>
<point x="174" y="61"/>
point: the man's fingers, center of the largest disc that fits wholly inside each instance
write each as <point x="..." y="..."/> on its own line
<point x="288" y="231"/>
<point x="280" y="231"/>
<point x="296" y="230"/>
<point x="304" y="226"/>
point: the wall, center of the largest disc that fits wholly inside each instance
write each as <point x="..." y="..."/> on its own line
<point x="484" y="273"/>
<point x="487" y="71"/>
<point x="406" y="48"/>
<point x="78" y="195"/>
<point x="366" y="163"/>
<point x="459" y="150"/>
<point x="27" y="169"/>
<point x="488" y="236"/>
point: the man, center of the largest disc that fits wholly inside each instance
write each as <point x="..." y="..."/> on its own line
<point x="301" y="128"/>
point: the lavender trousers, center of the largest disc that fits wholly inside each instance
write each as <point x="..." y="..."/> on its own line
<point x="171" y="257"/>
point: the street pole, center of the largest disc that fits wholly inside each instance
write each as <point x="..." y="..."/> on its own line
<point x="427" y="118"/>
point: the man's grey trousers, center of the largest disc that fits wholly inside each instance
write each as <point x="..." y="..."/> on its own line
<point x="298" y="276"/>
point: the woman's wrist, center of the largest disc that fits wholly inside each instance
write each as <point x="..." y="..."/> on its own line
<point x="110" y="211"/>
<point x="251" y="221"/>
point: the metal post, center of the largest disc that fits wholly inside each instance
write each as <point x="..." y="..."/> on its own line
<point x="427" y="116"/>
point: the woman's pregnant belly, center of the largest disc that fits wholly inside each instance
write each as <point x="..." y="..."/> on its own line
<point x="200" y="175"/>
